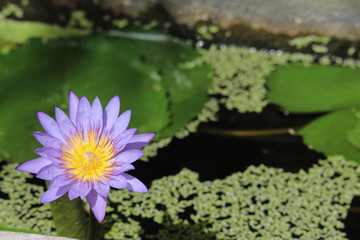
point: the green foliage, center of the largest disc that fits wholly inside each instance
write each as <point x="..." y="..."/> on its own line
<point x="238" y="82"/>
<point x="186" y="87"/>
<point x="315" y="88"/>
<point x="353" y="135"/>
<point x="20" y="206"/>
<point x="260" y="203"/>
<point x="240" y="74"/>
<point x="98" y="66"/>
<point x="69" y="217"/>
<point x="328" y="134"/>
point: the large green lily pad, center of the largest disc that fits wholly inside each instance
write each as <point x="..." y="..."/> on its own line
<point x="147" y="75"/>
<point x="37" y="77"/>
<point x="187" y="88"/>
<point x="315" y="88"/>
<point x="328" y="134"/>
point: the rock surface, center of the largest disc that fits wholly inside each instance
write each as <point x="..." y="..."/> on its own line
<point x="4" y="235"/>
<point x="339" y="19"/>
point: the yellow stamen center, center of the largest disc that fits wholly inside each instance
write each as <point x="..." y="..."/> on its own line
<point x="87" y="159"/>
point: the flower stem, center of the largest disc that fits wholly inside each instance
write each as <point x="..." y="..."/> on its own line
<point x="92" y="227"/>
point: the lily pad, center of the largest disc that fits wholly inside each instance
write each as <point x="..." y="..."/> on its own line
<point x="37" y="77"/>
<point x="353" y="135"/>
<point x="315" y="88"/>
<point x="186" y="87"/>
<point x="328" y="134"/>
<point x="147" y="75"/>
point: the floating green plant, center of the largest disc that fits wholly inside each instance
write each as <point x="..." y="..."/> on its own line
<point x="304" y="205"/>
<point x="289" y="206"/>
<point x="319" y="89"/>
<point x="20" y="208"/>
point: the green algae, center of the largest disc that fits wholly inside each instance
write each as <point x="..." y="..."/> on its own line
<point x="121" y="23"/>
<point x="21" y="31"/>
<point x="11" y="10"/>
<point x="305" y="41"/>
<point x="78" y="19"/>
<point x="14" y="32"/>
<point x="260" y="203"/>
<point x="21" y="208"/>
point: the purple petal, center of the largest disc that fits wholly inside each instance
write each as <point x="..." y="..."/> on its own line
<point x="111" y="113"/>
<point x="54" y="193"/>
<point x="66" y="127"/>
<point x="97" y="204"/>
<point x="102" y="188"/>
<point x="60" y="181"/>
<point x="79" y="189"/>
<point x="139" y="140"/>
<point x="50" y="172"/>
<point x="83" y="114"/>
<point x="118" y="182"/>
<point x="134" y="184"/>
<point x="121" y="123"/>
<point x="96" y="115"/>
<point x="129" y="156"/>
<point x="47" y="140"/>
<point x="121" y="168"/>
<point x="33" y="166"/>
<point x="49" y="153"/>
<point x="73" y="105"/>
<point x="49" y="125"/>
<point x="123" y="138"/>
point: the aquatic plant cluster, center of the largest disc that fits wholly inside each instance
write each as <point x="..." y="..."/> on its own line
<point x="291" y="204"/>
<point x="171" y="88"/>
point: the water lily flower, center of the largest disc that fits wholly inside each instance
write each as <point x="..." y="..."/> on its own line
<point x="87" y="153"/>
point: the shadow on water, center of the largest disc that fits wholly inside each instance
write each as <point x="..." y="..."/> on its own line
<point x="353" y="219"/>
